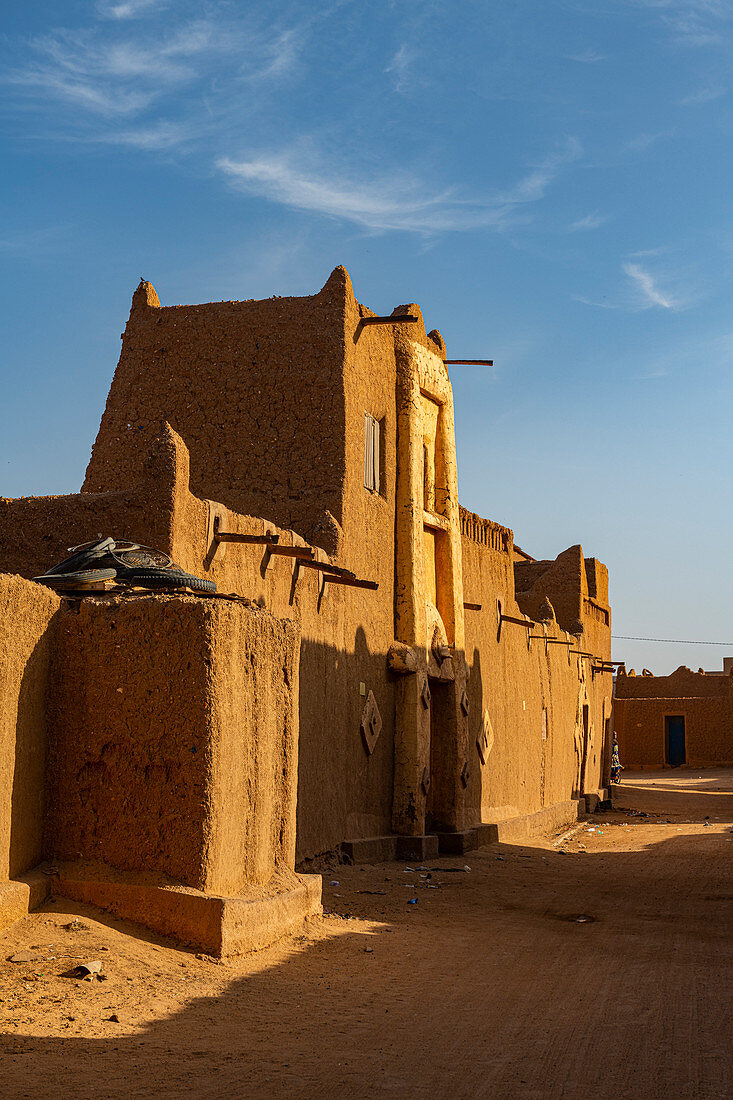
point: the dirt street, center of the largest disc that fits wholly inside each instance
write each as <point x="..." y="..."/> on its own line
<point x="419" y="982"/>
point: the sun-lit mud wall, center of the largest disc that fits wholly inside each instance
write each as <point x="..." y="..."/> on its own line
<point x="344" y="793"/>
<point x="227" y="376"/>
<point x="256" y="391"/>
<point x="173" y="739"/>
<point x="533" y="695"/>
<point x="641" y="704"/>
<point x="269" y="398"/>
<point x="27" y="621"/>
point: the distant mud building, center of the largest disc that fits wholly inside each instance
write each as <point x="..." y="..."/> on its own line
<point x="672" y="721"/>
<point x="399" y="680"/>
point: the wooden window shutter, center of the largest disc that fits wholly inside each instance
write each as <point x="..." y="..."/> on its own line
<point x="371" y="453"/>
<point x="367" y="451"/>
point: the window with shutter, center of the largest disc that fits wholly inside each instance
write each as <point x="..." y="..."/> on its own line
<point x="371" y="453"/>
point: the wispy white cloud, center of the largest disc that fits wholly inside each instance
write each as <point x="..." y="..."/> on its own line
<point x="400" y="201"/>
<point x="533" y="186"/>
<point x="649" y="283"/>
<point x="645" y="141"/>
<point x="694" y="23"/>
<point x="590" y="221"/>
<point x="647" y="287"/>
<point x="118" y="76"/>
<point x="111" y="74"/>
<point x="652" y="373"/>
<point x="645" y="253"/>
<point x="704" y="95"/>
<point x="586" y="57"/>
<point x="603" y="304"/>
<point x="400" y="67"/>
<point x="157" y="137"/>
<point x="185" y="83"/>
<point x="129" y="9"/>
<point x="34" y="243"/>
<point x="396" y="202"/>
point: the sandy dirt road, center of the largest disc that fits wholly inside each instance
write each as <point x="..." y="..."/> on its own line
<point x="487" y="986"/>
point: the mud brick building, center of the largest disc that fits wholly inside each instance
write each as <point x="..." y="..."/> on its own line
<point x="671" y="721"/>
<point x="397" y="678"/>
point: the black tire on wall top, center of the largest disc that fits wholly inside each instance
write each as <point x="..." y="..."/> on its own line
<point x="167" y="578"/>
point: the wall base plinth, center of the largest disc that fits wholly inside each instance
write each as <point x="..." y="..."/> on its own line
<point x="375" y="849"/>
<point x="382" y="849"/>
<point x="455" y="844"/>
<point x="593" y="800"/>
<point x="20" y="896"/>
<point x="545" y="820"/>
<point x="217" y="925"/>
<point x="417" y="847"/>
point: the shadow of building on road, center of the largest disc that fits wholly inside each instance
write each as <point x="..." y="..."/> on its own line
<point x="488" y="986"/>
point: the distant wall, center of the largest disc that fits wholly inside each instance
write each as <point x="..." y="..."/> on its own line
<point x="533" y="696"/>
<point x="642" y="703"/>
<point x="577" y="588"/>
<point x="27" y="620"/>
<point x="683" y="683"/>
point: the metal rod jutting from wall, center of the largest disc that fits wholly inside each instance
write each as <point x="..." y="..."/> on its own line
<point x="305" y="552"/>
<point x="518" y="622"/>
<point x="351" y="582"/>
<point x="469" y="362"/>
<point x="326" y="567"/>
<point x="233" y="536"/>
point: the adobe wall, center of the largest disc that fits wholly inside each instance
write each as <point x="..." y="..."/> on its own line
<point x="234" y="367"/>
<point x="533" y="694"/>
<point x="681" y="683"/>
<point x="174" y="739"/>
<point x="431" y="739"/>
<point x="343" y="792"/>
<point x="263" y="450"/>
<point x="641" y="704"/>
<point x="27" y="621"/>
<point x="577" y="588"/>
<point x="256" y="391"/>
<point x="346" y="631"/>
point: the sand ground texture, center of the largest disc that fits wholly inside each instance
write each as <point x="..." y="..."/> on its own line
<point x="418" y="982"/>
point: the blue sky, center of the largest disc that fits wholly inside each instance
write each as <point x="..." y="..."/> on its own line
<point x="551" y="181"/>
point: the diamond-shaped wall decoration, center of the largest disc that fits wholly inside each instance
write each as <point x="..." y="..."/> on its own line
<point x="465" y="773"/>
<point x="465" y="705"/>
<point x="425" y="694"/>
<point x="371" y="723"/>
<point x="425" y="780"/>
<point x="485" y="739"/>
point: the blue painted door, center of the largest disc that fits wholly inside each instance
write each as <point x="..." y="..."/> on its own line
<point x="675" y="739"/>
